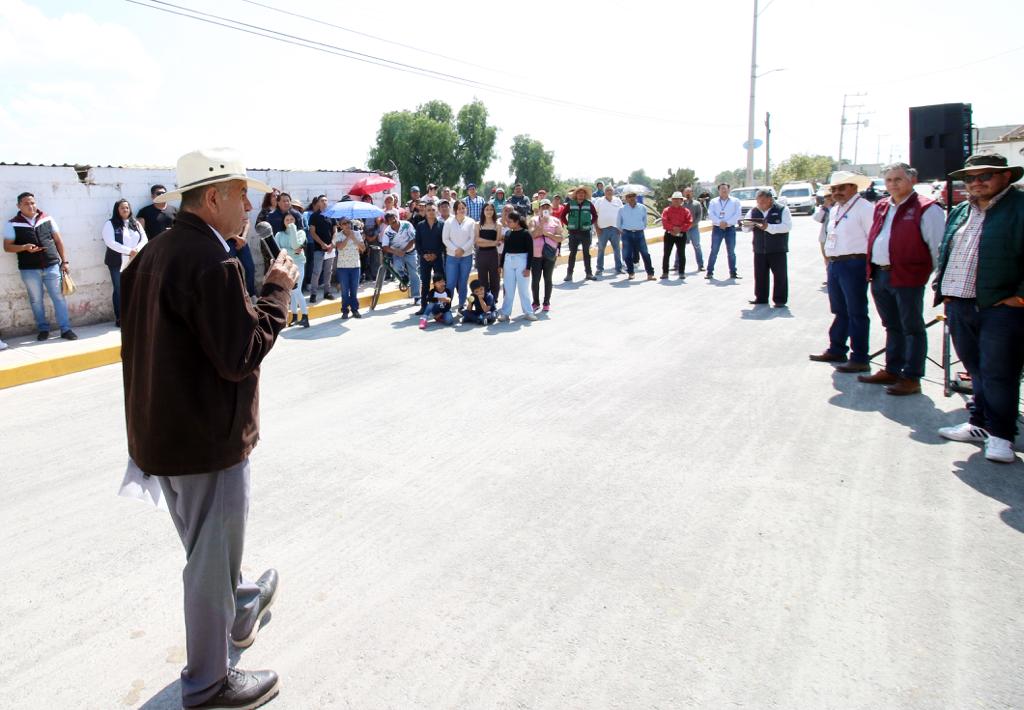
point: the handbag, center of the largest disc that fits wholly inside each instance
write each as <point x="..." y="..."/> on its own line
<point x="67" y="284"/>
<point x="549" y="252"/>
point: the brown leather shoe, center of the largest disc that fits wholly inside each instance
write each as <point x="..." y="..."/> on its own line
<point x="905" y="386"/>
<point x="854" y="367"/>
<point x="827" y="357"/>
<point x="882" y="377"/>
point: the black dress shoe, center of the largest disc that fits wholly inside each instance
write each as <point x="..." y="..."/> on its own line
<point x="421" y="311"/>
<point x="357" y="314"/>
<point x="268" y="593"/>
<point x="827" y="357"/>
<point x="735" y="276"/>
<point x="242" y="689"/>
<point x="69" y="335"/>
<point x="758" y="303"/>
<point x="708" y="275"/>
<point x="779" y="305"/>
<point x="43" y="335"/>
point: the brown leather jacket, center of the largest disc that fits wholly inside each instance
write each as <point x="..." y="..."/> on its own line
<point x="191" y="348"/>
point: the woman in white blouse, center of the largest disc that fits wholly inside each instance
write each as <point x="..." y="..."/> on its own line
<point x="459" y="236"/>
<point x="123" y="237"/>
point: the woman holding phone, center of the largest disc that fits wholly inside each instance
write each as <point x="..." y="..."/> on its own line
<point x="548" y="234"/>
<point x="292" y="241"/>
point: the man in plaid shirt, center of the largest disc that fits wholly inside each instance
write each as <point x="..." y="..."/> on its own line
<point x="981" y="282"/>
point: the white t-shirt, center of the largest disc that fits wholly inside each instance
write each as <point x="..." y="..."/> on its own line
<point x="607" y="212"/>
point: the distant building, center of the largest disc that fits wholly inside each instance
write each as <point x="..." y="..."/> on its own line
<point x="1007" y="141"/>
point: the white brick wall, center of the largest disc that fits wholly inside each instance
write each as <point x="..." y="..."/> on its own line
<point x="80" y="209"/>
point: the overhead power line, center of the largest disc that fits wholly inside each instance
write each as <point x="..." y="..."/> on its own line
<point x="375" y="38"/>
<point x="294" y="40"/>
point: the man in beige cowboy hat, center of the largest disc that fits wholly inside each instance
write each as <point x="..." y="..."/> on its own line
<point x="846" y="247"/>
<point x="981" y="281"/>
<point x="192" y="344"/>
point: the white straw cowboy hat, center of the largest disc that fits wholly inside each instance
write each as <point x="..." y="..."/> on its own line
<point x="845" y="177"/>
<point x="677" y="195"/>
<point x="209" y="166"/>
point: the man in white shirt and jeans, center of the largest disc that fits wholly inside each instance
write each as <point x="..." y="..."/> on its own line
<point x="724" y="212"/>
<point x="607" y="218"/>
<point x="846" y="249"/>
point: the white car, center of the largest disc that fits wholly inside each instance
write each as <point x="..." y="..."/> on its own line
<point x="799" y="197"/>
<point x="748" y="196"/>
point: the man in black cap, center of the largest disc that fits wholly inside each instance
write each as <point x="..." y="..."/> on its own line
<point x="981" y="281"/>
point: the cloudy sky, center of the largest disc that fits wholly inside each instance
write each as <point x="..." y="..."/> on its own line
<point x="653" y="85"/>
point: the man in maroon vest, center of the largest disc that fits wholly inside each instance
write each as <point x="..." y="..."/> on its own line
<point x="903" y="246"/>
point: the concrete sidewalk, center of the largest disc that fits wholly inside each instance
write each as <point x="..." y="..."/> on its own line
<point x="27" y="360"/>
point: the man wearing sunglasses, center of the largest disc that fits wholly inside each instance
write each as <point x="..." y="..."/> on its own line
<point x="156" y="218"/>
<point x="981" y="283"/>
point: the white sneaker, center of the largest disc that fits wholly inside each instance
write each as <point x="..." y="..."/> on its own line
<point x="1000" y="450"/>
<point x="965" y="432"/>
<point x="531" y="316"/>
<point x="3" y="345"/>
<point x="502" y="318"/>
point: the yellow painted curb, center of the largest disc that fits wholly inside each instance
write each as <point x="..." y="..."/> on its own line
<point x="79" y="362"/>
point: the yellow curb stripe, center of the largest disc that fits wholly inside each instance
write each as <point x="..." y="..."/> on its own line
<point x="79" y="362"/>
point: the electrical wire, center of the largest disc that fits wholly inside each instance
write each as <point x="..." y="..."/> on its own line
<point x="238" y="26"/>
<point x="375" y="38"/>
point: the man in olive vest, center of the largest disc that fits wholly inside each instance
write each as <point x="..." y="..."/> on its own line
<point x="35" y="238"/>
<point x="579" y="217"/>
<point x="981" y="281"/>
<point x="903" y="246"/>
<point x="770" y="222"/>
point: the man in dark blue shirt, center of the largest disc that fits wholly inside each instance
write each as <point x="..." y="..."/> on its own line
<point x="431" y="248"/>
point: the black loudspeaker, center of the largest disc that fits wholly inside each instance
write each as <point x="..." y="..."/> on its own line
<point x="940" y="139"/>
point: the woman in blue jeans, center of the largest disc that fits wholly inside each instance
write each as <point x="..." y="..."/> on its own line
<point x="518" y="251"/>
<point x="459" y="237"/>
<point x="350" y="245"/>
<point x="123" y="237"/>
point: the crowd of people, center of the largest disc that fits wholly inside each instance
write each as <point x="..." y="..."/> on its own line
<point x="889" y="247"/>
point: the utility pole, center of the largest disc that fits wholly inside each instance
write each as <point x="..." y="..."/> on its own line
<point x="842" y="125"/>
<point x="856" y="133"/>
<point x="750" y="122"/>
<point x="767" y="148"/>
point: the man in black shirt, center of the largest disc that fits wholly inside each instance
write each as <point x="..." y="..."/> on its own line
<point x="156" y="218"/>
<point x="520" y="201"/>
<point x="431" y="248"/>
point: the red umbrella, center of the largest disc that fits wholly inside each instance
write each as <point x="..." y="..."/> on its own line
<point x="371" y="184"/>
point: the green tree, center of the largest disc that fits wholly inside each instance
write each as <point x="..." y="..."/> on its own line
<point x="675" y="180"/>
<point x="426" y="145"/>
<point x="738" y="177"/>
<point x="640" y="177"/>
<point x="476" y="141"/>
<point x="531" y="165"/>
<point x="801" y="167"/>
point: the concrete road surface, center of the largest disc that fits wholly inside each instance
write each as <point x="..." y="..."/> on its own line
<point x="648" y="499"/>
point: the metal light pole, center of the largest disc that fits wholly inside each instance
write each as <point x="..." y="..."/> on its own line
<point x="767" y="148"/>
<point x="750" y="122"/>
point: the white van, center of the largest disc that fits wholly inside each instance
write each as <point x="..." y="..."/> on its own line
<point x="799" y="196"/>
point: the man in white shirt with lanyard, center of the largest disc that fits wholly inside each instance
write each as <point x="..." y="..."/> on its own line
<point x="846" y="247"/>
<point x="724" y="212"/>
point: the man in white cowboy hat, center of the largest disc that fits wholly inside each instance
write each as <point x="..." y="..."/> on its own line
<point x="902" y="248"/>
<point x="677" y="221"/>
<point x="981" y="281"/>
<point x="192" y="344"/>
<point x="846" y="248"/>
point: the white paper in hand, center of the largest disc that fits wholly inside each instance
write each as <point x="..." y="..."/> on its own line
<point x="141" y="487"/>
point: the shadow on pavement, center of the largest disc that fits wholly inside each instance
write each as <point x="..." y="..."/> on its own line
<point x="765" y="313"/>
<point x="916" y="412"/>
<point x="315" y="331"/>
<point x="999" y="481"/>
<point x="167" y="699"/>
<point x="569" y="285"/>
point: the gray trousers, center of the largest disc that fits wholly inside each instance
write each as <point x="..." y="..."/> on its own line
<point x="694" y="237"/>
<point x="323" y="270"/>
<point x="209" y="510"/>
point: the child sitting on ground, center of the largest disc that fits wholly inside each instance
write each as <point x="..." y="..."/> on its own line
<point x="439" y="304"/>
<point x="481" y="305"/>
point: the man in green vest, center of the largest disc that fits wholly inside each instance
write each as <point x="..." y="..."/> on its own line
<point x="579" y="217"/>
<point x="981" y="282"/>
